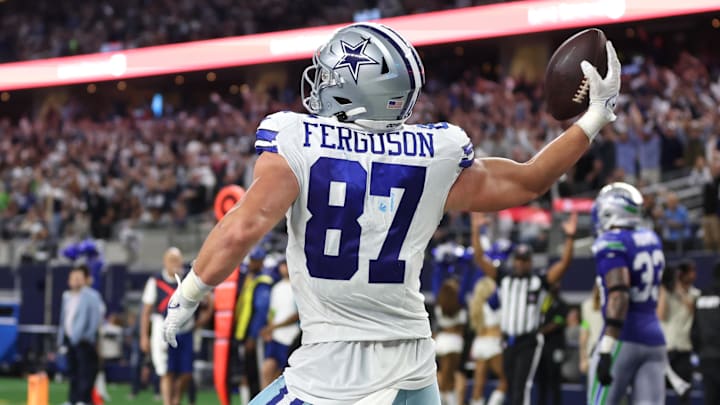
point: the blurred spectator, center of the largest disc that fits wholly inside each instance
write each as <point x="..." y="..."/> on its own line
<point x="140" y="364"/>
<point x="700" y="173"/>
<point x="649" y="154"/>
<point x="571" y="365"/>
<point x="591" y="327"/>
<point x="554" y="312"/>
<point x="710" y="220"/>
<point x="675" y="225"/>
<point x="251" y="314"/>
<point x="626" y="150"/>
<point x="282" y="328"/>
<point x="486" y="348"/>
<point x="672" y="149"/>
<point x="450" y="318"/>
<point x="695" y="145"/>
<point x="174" y="365"/>
<point x="651" y="211"/>
<point x="706" y="337"/>
<point x="676" y="305"/>
<point x="80" y="319"/>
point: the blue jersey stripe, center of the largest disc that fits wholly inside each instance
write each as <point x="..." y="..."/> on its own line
<point x="468" y="149"/>
<point x="465" y="163"/>
<point x="261" y="149"/>
<point x="266" y="135"/>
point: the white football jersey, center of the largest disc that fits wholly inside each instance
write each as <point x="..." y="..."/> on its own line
<point x="368" y="205"/>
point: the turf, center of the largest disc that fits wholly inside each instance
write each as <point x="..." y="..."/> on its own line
<point x="13" y="391"/>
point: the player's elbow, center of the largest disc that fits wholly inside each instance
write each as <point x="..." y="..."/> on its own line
<point x="537" y="180"/>
<point x="536" y="188"/>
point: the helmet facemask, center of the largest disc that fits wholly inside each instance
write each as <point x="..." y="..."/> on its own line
<point x="317" y="77"/>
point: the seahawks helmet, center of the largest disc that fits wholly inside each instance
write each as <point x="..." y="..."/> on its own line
<point x="617" y="205"/>
<point x="367" y="74"/>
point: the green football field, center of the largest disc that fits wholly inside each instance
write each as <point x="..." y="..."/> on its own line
<point x="13" y="391"/>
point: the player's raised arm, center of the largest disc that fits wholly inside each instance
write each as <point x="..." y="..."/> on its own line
<point x="273" y="191"/>
<point x="478" y="220"/>
<point x="493" y="184"/>
<point x="558" y="269"/>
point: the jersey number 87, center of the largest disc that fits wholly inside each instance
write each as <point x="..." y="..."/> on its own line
<point x="332" y="234"/>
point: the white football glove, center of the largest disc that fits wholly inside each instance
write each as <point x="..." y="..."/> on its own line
<point x="182" y="305"/>
<point x="603" y="94"/>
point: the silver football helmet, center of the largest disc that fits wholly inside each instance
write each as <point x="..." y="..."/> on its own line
<point x="367" y="74"/>
<point x="617" y="205"/>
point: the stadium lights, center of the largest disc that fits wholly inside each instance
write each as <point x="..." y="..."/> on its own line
<point x="470" y="23"/>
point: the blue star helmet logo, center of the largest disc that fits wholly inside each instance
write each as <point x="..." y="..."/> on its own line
<point x="354" y="56"/>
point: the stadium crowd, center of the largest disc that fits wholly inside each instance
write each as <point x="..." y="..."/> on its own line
<point x="70" y="171"/>
<point x="45" y="29"/>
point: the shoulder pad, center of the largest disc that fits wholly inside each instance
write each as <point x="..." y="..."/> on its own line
<point x="461" y="140"/>
<point x="279" y="120"/>
<point x="609" y="241"/>
<point x="270" y="126"/>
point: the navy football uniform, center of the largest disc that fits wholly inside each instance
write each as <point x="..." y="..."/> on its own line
<point x="639" y="358"/>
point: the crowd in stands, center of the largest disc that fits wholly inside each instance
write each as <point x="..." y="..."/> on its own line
<point x="66" y="172"/>
<point x="45" y="29"/>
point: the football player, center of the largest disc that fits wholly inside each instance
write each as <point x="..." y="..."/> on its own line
<point x="629" y="260"/>
<point x="363" y="193"/>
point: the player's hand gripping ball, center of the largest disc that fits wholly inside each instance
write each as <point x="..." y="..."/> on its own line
<point x="567" y="87"/>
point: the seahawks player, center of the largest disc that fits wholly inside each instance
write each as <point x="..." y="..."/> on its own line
<point x="631" y="351"/>
<point x="363" y="193"/>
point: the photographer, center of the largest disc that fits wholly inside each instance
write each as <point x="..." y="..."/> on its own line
<point x="676" y="306"/>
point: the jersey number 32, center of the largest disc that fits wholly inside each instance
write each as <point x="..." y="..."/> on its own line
<point x="651" y="265"/>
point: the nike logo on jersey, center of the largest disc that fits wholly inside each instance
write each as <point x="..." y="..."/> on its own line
<point x="173" y="305"/>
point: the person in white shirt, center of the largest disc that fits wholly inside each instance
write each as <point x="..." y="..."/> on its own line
<point x="282" y="328"/>
<point x="676" y="309"/>
<point x="172" y="365"/>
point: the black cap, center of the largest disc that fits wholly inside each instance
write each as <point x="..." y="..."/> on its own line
<point x="523" y="252"/>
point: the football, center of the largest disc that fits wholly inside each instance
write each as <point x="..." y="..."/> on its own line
<point x="566" y="90"/>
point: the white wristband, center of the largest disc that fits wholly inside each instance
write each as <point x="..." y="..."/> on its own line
<point x="607" y="344"/>
<point x="194" y="289"/>
<point x="592" y="122"/>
